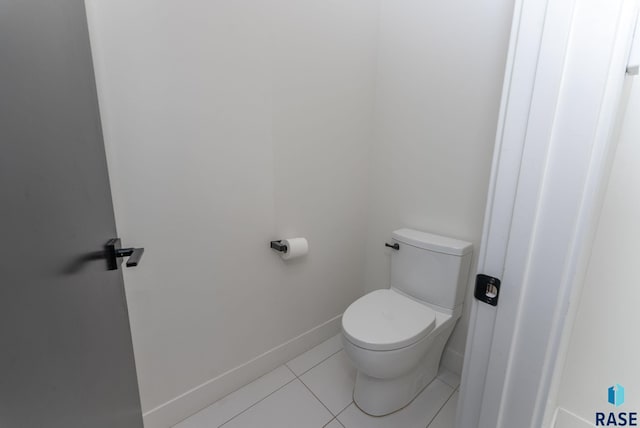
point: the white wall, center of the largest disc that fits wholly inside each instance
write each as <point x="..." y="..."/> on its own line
<point x="603" y="347"/>
<point x="228" y="124"/>
<point x="440" y="72"/>
<point x="231" y="123"/>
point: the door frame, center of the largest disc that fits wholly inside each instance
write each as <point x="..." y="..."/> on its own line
<point x="562" y="89"/>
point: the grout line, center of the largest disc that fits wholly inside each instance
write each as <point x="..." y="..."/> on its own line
<point x="345" y="408"/>
<point x="334" y="419"/>
<point x="316" y="397"/>
<point x="289" y="368"/>
<point x="342" y="411"/>
<point x="296" y="377"/>
<point x="442" y="407"/>
<point x="259" y="401"/>
<point x="323" y="426"/>
<point x="315" y="365"/>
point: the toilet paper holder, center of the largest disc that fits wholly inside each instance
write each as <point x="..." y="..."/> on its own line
<point x="279" y="246"/>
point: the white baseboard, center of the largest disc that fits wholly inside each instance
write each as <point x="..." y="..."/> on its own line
<point x="452" y="360"/>
<point x="190" y="402"/>
<point x="566" y="419"/>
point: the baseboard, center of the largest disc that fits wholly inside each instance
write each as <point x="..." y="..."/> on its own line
<point x="190" y="402"/>
<point x="566" y="419"/>
<point x="452" y="360"/>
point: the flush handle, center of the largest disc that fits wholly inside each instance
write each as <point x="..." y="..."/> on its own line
<point x="394" y="246"/>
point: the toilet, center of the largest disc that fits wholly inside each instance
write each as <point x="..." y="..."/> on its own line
<point x="395" y="337"/>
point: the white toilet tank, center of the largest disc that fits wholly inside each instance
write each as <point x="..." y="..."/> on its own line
<point x="431" y="268"/>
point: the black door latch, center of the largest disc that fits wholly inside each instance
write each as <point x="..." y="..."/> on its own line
<point x="487" y="289"/>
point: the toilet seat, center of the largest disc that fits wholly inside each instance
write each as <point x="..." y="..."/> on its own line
<point x="385" y="320"/>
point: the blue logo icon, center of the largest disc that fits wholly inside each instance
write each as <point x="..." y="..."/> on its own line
<point x="616" y="395"/>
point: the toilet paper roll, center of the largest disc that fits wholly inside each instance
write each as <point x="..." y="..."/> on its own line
<point x="296" y="247"/>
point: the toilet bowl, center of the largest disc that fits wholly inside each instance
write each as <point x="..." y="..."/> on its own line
<point x="395" y="339"/>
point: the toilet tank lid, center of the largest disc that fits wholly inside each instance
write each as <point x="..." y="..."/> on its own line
<point x="429" y="241"/>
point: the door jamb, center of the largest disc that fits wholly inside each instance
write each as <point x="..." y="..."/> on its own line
<point x="535" y="144"/>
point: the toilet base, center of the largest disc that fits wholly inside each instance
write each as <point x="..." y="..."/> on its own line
<point x="379" y="397"/>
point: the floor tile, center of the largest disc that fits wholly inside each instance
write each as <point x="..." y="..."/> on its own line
<point x="332" y="382"/>
<point x="446" y="418"/>
<point x="566" y="419"/>
<point x="449" y="377"/>
<point x="292" y="406"/>
<point x="226" y="408"/>
<point x="334" y="424"/>
<point x="416" y="415"/>
<point x="316" y="355"/>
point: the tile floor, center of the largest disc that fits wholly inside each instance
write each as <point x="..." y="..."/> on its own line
<point x="314" y="390"/>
